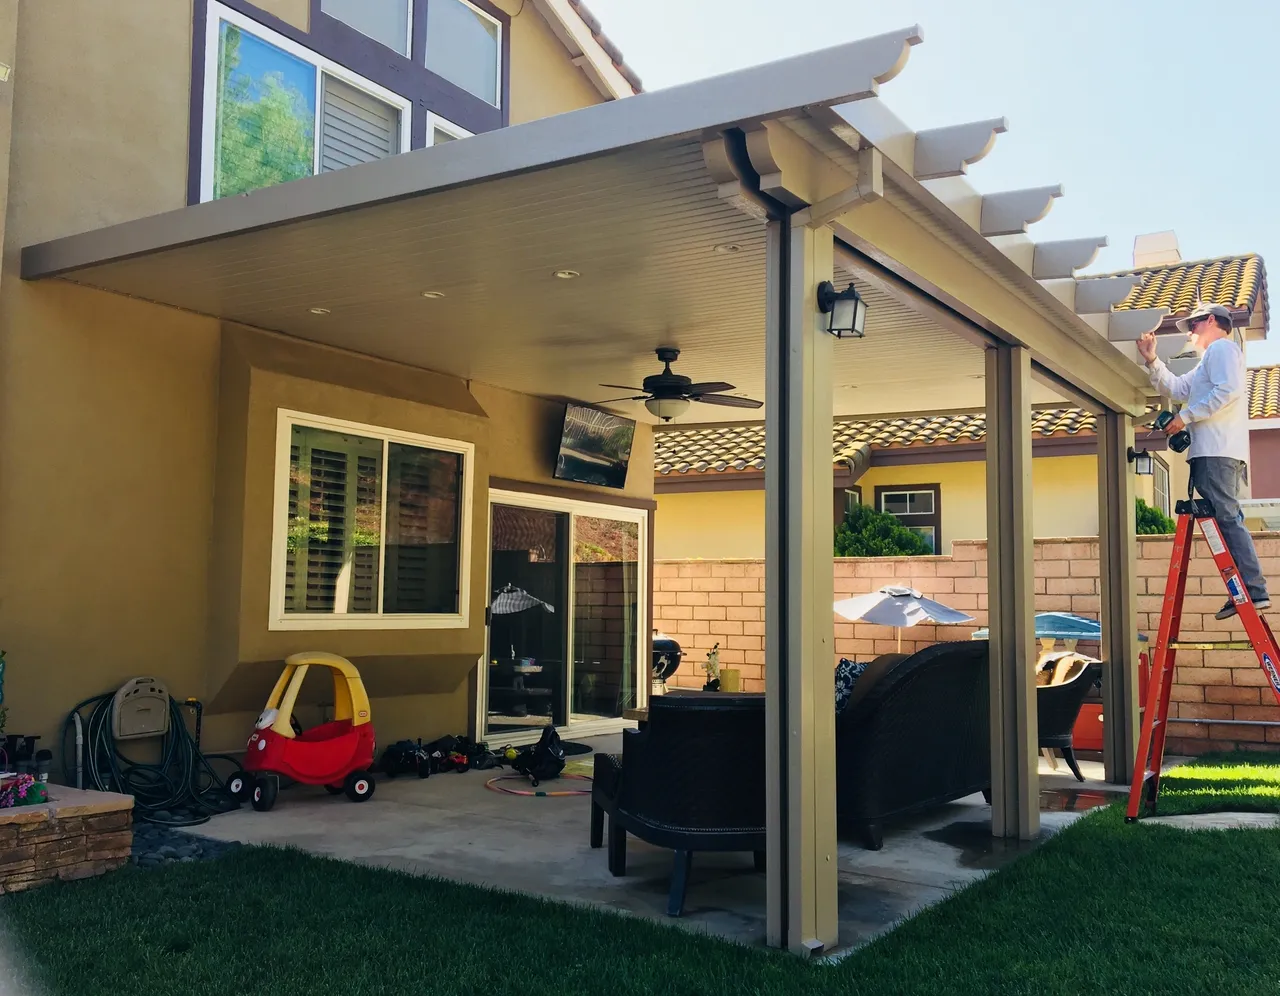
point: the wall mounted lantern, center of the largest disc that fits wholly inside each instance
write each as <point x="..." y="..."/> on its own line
<point x="846" y="311"/>
<point x="1141" y="460"/>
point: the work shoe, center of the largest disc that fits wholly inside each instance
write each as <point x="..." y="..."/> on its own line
<point x="1229" y="610"/>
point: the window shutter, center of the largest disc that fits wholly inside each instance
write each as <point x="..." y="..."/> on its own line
<point x="328" y="508"/>
<point x="355" y="127"/>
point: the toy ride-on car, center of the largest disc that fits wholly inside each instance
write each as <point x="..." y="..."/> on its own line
<point x="337" y="754"/>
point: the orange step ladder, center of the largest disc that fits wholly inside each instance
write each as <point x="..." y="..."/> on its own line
<point x="1155" y="716"/>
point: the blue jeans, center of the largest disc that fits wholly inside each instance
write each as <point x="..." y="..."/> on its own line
<point x="1218" y="479"/>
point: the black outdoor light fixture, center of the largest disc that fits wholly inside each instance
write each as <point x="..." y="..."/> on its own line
<point x="846" y="311"/>
<point x="1141" y="460"/>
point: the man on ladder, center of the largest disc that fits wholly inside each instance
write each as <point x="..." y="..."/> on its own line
<point x="1216" y="413"/>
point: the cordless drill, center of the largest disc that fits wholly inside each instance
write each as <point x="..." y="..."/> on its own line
<point x="1180" y="440"/>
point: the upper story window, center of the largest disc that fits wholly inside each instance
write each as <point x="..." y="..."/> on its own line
<point x="275" y="111"/>
<point x="464" y="45"/>
<point x="386" y="21"/>
<point x="274" y="102"/>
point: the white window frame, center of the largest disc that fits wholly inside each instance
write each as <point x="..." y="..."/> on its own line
<point x="436" y="122"/>
<point x="408" y="31"/>
<point x="1158" y="466"/>
<point x="933" y="501"/>
<point x="497" y="90"/>
<point x="216" y="15"/>
<point x="575" y="508"/>
<point x="286" y="419"/>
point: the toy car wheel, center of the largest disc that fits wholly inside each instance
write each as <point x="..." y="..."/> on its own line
<point x="334" y="789"/>
<point x="265" y="790"/>
<point x="358" y="786"/>
<point x="240" y="786"/>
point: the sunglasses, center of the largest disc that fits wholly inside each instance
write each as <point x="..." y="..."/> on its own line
<point x="1195" y="323"/>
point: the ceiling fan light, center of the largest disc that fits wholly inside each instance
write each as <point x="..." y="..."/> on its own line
<point x="667" y="408"/>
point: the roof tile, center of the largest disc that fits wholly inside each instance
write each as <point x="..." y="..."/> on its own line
<point x="1264" y="392"/>
<point x="1235" y="281"/>
<point x="721" y="448"/>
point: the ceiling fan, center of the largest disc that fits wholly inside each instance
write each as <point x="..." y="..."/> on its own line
<point x="667" y="395"/>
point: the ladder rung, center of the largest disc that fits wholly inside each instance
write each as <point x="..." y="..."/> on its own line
<point x="1215" y="645"/>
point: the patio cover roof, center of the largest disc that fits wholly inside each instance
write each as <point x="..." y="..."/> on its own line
<point x="670" y="249"/>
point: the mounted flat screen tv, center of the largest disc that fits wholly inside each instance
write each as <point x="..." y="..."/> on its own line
<point x="595" y="447"/>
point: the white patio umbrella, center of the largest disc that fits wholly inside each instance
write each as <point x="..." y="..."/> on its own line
<point x="511" y="599"/>
<point x="898" y="607"/>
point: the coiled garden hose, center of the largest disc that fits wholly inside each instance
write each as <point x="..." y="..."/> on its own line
<point x="182" y="790"/>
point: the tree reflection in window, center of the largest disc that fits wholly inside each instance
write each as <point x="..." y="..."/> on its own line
<point x="266" y="110"/>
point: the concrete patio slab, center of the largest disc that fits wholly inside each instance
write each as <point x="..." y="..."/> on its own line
<point x="1218" y="821"/>
<point x="450" y="826"/>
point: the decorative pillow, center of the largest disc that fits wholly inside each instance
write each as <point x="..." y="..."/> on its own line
<point x="847" y="674"/>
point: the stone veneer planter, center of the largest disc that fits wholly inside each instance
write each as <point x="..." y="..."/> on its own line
<point x="76" y="834"/>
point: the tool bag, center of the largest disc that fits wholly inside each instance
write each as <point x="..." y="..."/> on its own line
<point x="544" y="760"/>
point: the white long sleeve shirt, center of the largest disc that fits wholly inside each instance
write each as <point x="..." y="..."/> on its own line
<point x="1215" y="393"/>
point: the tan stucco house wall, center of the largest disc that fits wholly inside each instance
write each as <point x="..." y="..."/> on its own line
<point x="137" y="440"/>
<point x="718" y="525"/>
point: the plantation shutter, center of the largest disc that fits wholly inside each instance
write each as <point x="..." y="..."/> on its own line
<point x="329" y="509"/>
<point x="355" y="127"/>
<point x="333" y="515"/>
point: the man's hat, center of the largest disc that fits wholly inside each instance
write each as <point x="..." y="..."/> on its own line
<point x="1204" y="310"/>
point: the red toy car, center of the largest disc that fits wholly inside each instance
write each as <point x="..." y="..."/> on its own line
<point x="337" y="754"/>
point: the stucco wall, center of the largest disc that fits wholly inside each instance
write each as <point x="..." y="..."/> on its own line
<point x="730" y="524"/>
<point x="109" y="407"/>
<point x="295" y="12"/>
<point x="543" y="80"/>
<point x="1264" y="468"/>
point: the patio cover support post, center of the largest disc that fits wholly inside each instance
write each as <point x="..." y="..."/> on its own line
<point x="799" y="585"/>
<point x="1117" y="567"/>
<point x="1015" y="795"/>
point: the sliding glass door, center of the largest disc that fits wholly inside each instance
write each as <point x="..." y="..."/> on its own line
<point x="567" y="607"/>
<point x="606" y="576"/>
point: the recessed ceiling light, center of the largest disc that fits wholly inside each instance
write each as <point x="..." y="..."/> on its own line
<point x="319" y="311"/>
<point x="566" y="274"/>
<point x="433" y="295"/>
<point x="727" y="248"/>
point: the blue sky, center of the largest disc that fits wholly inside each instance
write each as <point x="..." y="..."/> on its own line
<point x="1153" y="116"/>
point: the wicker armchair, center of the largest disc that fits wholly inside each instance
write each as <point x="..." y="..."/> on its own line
<point x="1058" y="708"/>
<point x="692" y="780"/>
<point x="914" y="735"/>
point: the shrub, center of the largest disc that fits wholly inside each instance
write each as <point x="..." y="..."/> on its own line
<point x="1152" y="521"/>
<point x="868" y="533"/>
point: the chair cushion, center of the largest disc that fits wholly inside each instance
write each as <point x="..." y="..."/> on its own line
<point x="847" y="674"/>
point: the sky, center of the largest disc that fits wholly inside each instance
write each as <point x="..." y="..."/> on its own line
<point x="1152" y="114"/>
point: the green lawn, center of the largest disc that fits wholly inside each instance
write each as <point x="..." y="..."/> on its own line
<point x="1102" y="908"/>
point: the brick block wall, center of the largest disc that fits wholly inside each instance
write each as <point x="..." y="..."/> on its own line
<point x="605" y="597"/>
<point x="38" y="845"/>
<point x="700" y="603"/>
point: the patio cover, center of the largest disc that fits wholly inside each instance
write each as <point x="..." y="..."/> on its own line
<point x="704" y="216"/>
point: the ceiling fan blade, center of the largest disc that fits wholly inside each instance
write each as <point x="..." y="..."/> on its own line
<point x="612" y="401"/>
<point x="623" y="387"/>
<point x="710" y="387"/>
<point x="729" y="401"/>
